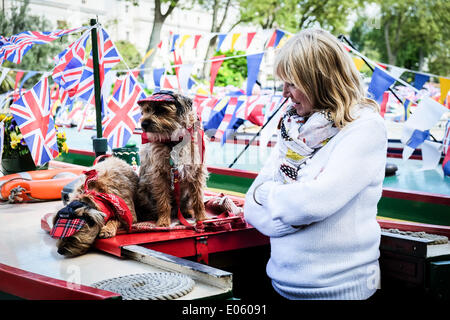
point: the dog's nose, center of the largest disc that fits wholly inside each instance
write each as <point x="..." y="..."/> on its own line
<point x="145" y="125"/>
<point x="62" y="251"/>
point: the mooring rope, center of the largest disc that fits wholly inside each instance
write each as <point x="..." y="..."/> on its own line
<point x="148" y="286"/>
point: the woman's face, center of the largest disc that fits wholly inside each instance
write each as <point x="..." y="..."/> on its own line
<point x="301" y="102"/>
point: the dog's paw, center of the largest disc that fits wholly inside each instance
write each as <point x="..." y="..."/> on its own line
<point x="200" y="216"/>
<point x="163" y="222"/>
<point x="107" y="232"/>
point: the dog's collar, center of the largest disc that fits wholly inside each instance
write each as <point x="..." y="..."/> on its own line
<point x="171" y="143"/>
<point x="110" y="204"/>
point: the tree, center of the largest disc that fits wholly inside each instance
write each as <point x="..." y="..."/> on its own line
<point x="129" y="53"/>
<point x="219" y="10"/>
<point x="295" y="15"/>
<point x="410" y="32"/>
<point x="158" y="20"/>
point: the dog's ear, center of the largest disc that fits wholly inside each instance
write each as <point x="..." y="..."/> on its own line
<point x="186" y="104"/>
<point x="93" y="216"/>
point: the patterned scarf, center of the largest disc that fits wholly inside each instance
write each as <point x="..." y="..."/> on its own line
<point x="108" y="203"/>
<point x="299" y="139"/>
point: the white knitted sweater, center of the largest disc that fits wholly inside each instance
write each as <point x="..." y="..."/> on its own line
<point x="334" y="253"/>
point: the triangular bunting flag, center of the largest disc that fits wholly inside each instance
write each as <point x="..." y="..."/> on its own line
<point x="185" y="73"/>
<point x="427" y="114"/>
<point x="253" y="64"/>
<point x="420" y="80"/>
<point x="196" y="39"/>
<point x="183" y="40"/>
<point x="215" y="66"/>
<point x="380" y="83"/>
<point x="174" y="40"/>
<point x="250" y="37"/>
<point x="157" y="74"/>
<point x="220" y="40"/>
<point x="359" y="63"/>
<point x="275" y="39"/>
<point x="445" y="87"/>
<point x="234" y="39"/>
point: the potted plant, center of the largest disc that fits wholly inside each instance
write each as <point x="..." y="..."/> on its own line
<point x="16" y="156"/>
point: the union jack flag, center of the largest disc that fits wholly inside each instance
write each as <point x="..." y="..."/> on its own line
<point x="14" y="47"/>
<point x="226" y="127"/>
<point x="108" y="57"/>
<point x="122" y="112"/>
<point x="69" y="67"/>
<point x="33" y="116"/>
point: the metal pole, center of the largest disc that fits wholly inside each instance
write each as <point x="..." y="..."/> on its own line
<point x="100" y="144"/>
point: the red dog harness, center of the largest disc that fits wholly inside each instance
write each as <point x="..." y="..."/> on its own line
<point x="174" y="173"/>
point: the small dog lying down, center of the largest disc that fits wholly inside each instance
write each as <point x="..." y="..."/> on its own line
<point x="101" y="203"/>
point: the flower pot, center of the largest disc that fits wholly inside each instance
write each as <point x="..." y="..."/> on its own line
<point x="129" y="153"/>
<point x="17" y="163"/>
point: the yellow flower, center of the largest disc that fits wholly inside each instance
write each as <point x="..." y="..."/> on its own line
<point x="65" y="147"/>
<point x="15" y="139"/>
<point x="2" y="116"/>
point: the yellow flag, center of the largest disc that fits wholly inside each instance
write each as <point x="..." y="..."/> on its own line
<point x="445" y="87"/>
<point x="358" y="62"/>
<point x="183" y="40"/>
<point x="234" y="39"/>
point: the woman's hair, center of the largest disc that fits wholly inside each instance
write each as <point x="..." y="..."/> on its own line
<point x="315" y="62"/>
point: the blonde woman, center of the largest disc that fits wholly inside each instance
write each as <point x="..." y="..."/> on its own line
<point x="316" y="198"/>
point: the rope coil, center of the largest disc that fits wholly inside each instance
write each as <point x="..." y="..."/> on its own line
<point x="148" y="286"/>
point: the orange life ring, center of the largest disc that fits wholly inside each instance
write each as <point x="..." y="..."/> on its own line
<point x="36" y="185"/>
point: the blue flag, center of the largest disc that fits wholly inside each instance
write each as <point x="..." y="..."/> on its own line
<point x="174" y="39"/>
<point x="253" y="63"/>
<point x="157" y="74"/>
<point x="417" y="138"/>
<point x="380" y="82"/>
<point x="279" y="36"/>
<point x="221" y="38"/>
<point x="420" y="80"/>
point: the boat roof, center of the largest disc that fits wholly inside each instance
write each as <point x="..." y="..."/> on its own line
<point x="27" y="247"/>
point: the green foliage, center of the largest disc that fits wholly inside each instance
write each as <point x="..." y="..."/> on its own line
<point x="408" y="34"/>
<point x="294" y="15"/>
<point x="129" y="53"/>
<point x="232" y="71"/>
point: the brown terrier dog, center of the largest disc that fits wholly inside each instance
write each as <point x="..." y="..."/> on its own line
<point x="102" y="202"/>
<point x="172" y="174"/>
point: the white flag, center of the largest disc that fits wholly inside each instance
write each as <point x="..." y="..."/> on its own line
<point x="185" y="73"/>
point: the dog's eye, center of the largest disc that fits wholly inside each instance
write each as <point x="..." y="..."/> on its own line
<point x="160" y="111"/>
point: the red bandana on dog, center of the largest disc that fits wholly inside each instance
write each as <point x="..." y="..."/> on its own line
<point x="109" y="204"/>
<point x="200" y="140"/>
